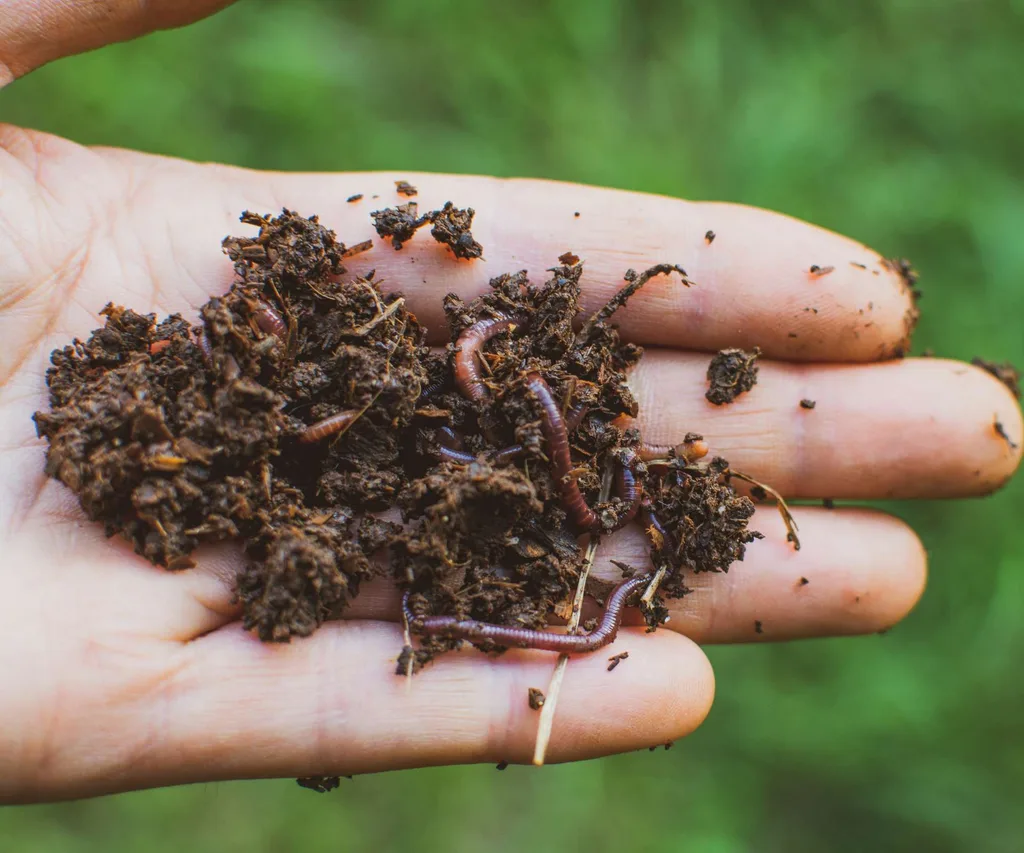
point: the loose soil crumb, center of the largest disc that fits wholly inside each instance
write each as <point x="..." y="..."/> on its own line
<point x="709" y="237"/>
<point x="808" y="404"/>
<point x="535" y="698"/>
<point x="451" y="226"/>
<point x="320" y="784"/>
<point x="758" y="627"/>
<point x="354" y="198"/>
<point x="1006" y="373"/>
<point x="818" y="272"/>
<point x="731" y="373"/>
<point x="804" y="581"/>
<point x="501" y="765"/>
<point x="615" y="660"/>
<point x="405" y="188"/>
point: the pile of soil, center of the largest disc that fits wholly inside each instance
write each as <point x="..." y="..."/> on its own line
<point x="305" y="403"/>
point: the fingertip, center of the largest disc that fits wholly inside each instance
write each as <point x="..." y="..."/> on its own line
<point x="1004" y="434"/>
<point x="658" y="694"/>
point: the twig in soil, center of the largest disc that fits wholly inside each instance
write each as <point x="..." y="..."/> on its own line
<point x="547" y="712"/>
<point x="370" y="325"/>
<point x="636" y="281"/>
<point x="780" y="502"/>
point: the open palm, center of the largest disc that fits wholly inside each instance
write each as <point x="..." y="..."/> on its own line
<point x="119" y="675"/>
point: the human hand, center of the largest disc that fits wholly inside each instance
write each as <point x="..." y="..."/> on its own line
<point x="118" y="675"/>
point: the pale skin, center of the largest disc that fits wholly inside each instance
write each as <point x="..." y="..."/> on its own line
<point x="117" y="675"/>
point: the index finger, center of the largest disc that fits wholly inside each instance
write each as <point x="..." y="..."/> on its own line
<point x="764" y="279"/>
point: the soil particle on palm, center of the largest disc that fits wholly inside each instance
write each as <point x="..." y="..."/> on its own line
<point x="731" y="372"/>
<point x="451" y="226"/>
<point x="405" y="188"/>
<point x="615" y="660"/>
<point x="758" y="627"/>
<point x="709" y="237"/>
<point x="354" y="198"/>
<point x="1006" y="373"/>
<point x="398" y="223"/>
<point x="535" y="699"/>
<point x="807" y="404"/>
<point x="819" y="272"/>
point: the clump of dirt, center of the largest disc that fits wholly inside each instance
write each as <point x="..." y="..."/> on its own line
<point x="451" y="226"/>
<point x="1006" y="373"/>
<point x="305" y="403"/>
<point x="731" y="372"/>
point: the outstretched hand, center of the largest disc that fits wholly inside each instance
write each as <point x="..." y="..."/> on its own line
<point x="118" y="675"/>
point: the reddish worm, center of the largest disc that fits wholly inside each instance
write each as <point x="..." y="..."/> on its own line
<point x="552" y="424"/>
<point x="329" y="426"/>
<point x="270" y="321"/>
<point x="528" y="638"/>
<point x="471" y="341"/>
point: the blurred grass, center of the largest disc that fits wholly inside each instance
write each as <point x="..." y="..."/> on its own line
<point x="897" y="122"/>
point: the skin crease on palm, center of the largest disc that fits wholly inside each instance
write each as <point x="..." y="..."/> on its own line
<point x="117" y="675"/>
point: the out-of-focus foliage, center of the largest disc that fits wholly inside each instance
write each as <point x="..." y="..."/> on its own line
<point x="898" y="122"/>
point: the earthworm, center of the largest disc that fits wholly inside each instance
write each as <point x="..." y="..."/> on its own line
<point x="574" y="417"/>
<point x="452" y="448"/>
<point x="528" y="638"/>
<point x="432" y="389"/>
<point x="464" y="457"/>
<point x="447" y="437"/>
<point x="270" y="321"/>
<point x="652" y="526"/>
<point x="329" y="426"/>
<point x="553" y="426"/>
<point x="689" y="450"/>
<point x="203" y="343"/>
<point x="470" y="342"/>
<point x="628" y="488"/>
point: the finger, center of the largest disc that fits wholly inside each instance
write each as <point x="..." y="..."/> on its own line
<point x="752" y="284"/>
<point x="857" y="572"/>
<point x="331" y="704"/>
<point x="34" y="32"/>
<point x="865" y="571"/>
<point x="906" y="429"/>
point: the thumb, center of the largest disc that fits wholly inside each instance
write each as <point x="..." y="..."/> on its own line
<point x="34" y="32"/>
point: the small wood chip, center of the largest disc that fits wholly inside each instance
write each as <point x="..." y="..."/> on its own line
<point x="615" y="660"/>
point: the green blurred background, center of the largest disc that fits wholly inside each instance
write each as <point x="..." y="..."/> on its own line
<point x="900" y="123"/>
